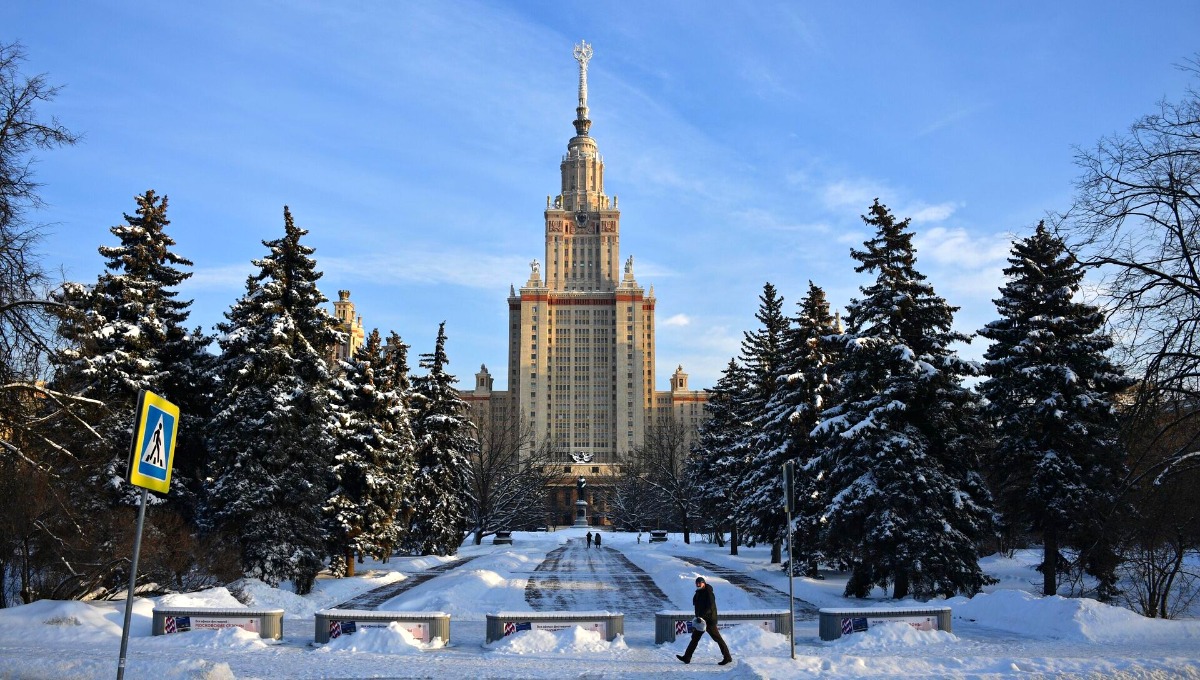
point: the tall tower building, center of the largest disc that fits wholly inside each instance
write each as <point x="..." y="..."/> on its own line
<point x="581" y="339"/>
<point x="581" y="332"/>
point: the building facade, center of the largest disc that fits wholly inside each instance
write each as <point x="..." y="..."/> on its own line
<point x="581" y="333"/>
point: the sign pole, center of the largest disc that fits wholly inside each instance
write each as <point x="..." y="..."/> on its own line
<point x="137" y="548"/>
<point x="151" y="453"/>
<point x="789" y="482"/>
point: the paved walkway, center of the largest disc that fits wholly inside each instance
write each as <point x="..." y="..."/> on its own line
<point x="574" y="577"/>
<point x="373" y="598"/>
<point x="804" y="611"/>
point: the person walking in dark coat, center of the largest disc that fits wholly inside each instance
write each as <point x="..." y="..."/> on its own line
<point x="705" y="603"/>
<point x="596" y="539"/>
<point x="589" y="537"/>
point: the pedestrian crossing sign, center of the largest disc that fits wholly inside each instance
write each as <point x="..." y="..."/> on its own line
<point x="153" y="448"/>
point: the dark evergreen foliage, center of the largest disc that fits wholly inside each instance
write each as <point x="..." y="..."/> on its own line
<point x="806" y="387"/>
<point x="1051" y="391"/>
<point x="272" y="432"/>
<point x="444" y="442"/>
<point x="718" y="457"/>
<point x="760" y="492"/>
<point x="373" y="464"/>
<point x="907" y="505"/>
<point x="127" y="333"/>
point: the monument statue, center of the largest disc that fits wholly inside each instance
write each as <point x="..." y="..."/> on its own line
<point x="581" y="505"/>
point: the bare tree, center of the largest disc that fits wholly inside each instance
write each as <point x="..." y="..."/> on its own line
<point x="1158" y="535"/>
<point x="25" y="323"/>
<point x="661" y="462"/>
<point x="508" y="488"/>
<point x="1137" y="218"/>
<point x="633" y="502"/>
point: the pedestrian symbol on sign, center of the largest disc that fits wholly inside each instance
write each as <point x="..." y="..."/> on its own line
<point x="154" y="454"/>
<point x="153" y="443"/>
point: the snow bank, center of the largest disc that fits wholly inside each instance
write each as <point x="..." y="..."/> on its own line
<point x="891" y="637"/>
<point x="255" y="593"/>
<point x="71" y="620"/>
<point x="391" y="640"/>
<point x="222" y="639"/>
<point x="490" y="583"/>
<point x="212" y="597"/>
<point x="1062" y="618"/>
<point x="574" y="640"/>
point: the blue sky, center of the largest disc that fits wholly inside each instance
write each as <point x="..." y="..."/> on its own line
<point x="417" y="142"/>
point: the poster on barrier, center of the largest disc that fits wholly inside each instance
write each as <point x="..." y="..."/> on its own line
<point x="684" y="626"/>
<point x="183" y="624"/>
<point x="511" y="627"/>
<point x="859" y="624"/>
<point x="419" y="631"/>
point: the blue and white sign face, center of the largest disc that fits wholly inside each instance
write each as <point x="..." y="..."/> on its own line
<point x="153" y="443"/>
<point x="160" y="429"/>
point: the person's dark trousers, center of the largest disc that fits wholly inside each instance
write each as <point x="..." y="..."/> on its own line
<point x="714" y="634"/>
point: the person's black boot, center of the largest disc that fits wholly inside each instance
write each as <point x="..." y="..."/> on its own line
<point x="683" y="658"/>
<point x="722" y="662"/>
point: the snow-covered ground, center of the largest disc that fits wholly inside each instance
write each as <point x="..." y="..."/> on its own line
<point x="1004" y="632"/>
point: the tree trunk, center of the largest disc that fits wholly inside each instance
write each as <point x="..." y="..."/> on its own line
<point x="900" y="589"/>
<point x="776" y="551"/>
<point x="733" y="541"/>
<point x="687" y="529"/>
<point x="1050" y="562"/>
<point x="349" y="562"/>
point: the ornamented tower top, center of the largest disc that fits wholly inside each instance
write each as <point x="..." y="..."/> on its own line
<point x="583" y="54"/>
<point x="582" y="222"/>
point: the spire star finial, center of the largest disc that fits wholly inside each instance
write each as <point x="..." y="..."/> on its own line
<point x="583" y="54"/>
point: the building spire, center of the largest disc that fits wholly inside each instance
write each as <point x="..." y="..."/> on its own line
<point x="583" y="54"/>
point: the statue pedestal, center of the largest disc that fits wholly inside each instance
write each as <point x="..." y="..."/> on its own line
<point x="581" y="513"/>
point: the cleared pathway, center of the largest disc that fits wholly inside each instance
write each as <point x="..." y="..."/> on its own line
<point x="373" y="598"/>
<point x="804" y="611"/>
<point x="574" y="577"/>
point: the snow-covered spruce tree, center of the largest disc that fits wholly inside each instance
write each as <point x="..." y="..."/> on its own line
<point x="717" y="460"/>
<point x="372" y="462"/>
<point x="444" y="441"/>
<point x="805" y="386"/>
<point x="395" y="357"/>
<point x="906" y="502"/>
<point x="127" y="333"/>
<point x="1050" y="392"/>
<point x="760" y="490"/>
<point x="271" y="436"/>
<point x="123" y="334"/>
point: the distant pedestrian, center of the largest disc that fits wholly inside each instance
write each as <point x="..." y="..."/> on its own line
<point x="589" y="537"/>
<point x="597" y="539"/>
<point x="705" y="603"/>
<point x="639" y="537"/>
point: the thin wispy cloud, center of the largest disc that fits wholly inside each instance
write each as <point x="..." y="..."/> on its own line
<point x="921" y="213"/>
<point x="950" y="119"/>
<point x="853" y="194"/>
<point x="230" y="277"/>
<point x="677" y="321"/>
<point x="468" y="269"/>
<point x="769" y="220"/>
<point x="961" y="248"/>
